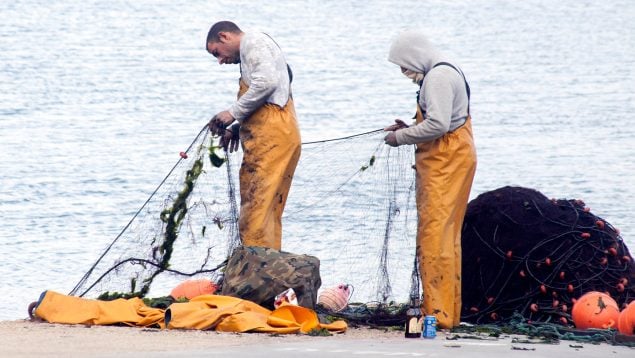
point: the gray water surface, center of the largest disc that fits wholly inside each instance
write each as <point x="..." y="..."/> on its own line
<point x="98" y="98"/>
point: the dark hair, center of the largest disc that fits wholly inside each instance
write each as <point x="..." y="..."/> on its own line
<point x="221" y="26"/>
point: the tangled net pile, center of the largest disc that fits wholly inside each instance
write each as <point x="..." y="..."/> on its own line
<point x="532" y="255"/>
<point x="352" y="205"/>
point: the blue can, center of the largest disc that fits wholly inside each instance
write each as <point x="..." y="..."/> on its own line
<point x="429" y="327"/>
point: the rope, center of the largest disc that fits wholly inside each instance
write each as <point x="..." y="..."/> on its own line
<point x="343" y="138"/>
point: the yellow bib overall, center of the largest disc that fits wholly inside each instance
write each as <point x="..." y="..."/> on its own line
<point x="445" y="170"/>
<point x="271" y="145"/>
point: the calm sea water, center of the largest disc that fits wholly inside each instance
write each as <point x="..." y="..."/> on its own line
<point x="97" y="98"/>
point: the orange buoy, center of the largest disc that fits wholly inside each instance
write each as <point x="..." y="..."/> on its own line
<point x="192" y="288"/>
<point x="626" y="320"/>
<point x="335" y="298"/>
<point x="595" y="310"/>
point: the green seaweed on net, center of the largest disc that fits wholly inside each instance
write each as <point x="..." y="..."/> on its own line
<point x="163" y="302"/>
<point x="214" y="158"/>
<point x="156" y="302"/>
<point x="371" y="162"/>
<point x="111" y="296"/>
<point x="172" y="217"/>
<point x="540" y="332"/>
<point x="319" y="332"/>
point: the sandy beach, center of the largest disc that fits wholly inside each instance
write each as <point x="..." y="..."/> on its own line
<point x="24" y="338"/>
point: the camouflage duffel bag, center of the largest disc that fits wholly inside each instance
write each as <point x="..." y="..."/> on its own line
<point x="258" y="274"/>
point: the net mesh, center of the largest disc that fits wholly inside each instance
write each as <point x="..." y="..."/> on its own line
<point x="352" y="206"/>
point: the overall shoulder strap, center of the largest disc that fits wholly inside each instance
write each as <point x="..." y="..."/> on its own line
<point x="467" y="86"/>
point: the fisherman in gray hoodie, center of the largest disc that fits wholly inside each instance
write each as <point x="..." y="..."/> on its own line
<point x="445" y="164"/>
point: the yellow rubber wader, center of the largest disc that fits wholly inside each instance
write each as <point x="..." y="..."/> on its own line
<point x="59" y="308"/>
<point x="445" y="170"/>
<point x="221" y="313"/>
<point x="271" y="145"/>
<point x="231" y="314"/>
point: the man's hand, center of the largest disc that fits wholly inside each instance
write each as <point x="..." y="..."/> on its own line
<point x="231" y="138"/>
<point x="220" y="121"/>
<point x="399" y="124"/>
<point x="391" y="139"/>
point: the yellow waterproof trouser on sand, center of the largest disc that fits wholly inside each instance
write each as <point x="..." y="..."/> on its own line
<point x="271" y="145"/>
<point x="206" y="312"/>
<point x="231" y="314"/>
<point x="445" y="170"/>
<point x="58" y="308"/>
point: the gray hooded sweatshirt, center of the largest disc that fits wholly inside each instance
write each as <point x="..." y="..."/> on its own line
<point x="443" y="97"/>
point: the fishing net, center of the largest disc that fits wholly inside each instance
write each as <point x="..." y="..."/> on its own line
<point x="351" y="205"/>
<point x="533" y="255"/>
<point x="532" y="332"/>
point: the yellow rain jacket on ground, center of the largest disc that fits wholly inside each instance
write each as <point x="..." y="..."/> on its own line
<point x="271" y="145"/>
<point x="206" y="312"/>
<point x="445" y="165"/>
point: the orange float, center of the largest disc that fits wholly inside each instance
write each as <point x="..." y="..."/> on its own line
<point x="595" y="310"/>
<point x="192" y="288"/>
<point x="626" y="320"/>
